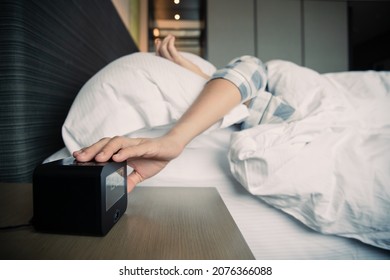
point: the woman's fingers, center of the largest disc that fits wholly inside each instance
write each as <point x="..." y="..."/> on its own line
<point x="132" y="180"/>
<point x="114" y="146"/>
<point x="164" y="51"/>
<point x="89" y="153"/>
<point x="136" y="150"/>
<point x="166" y="48"/>
<point x="105" y="149"/>
<point x="175" y="55"/>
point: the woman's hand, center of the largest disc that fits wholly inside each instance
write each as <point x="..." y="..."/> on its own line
<point x="167" y="49"/>
<point x="146" y="156"/>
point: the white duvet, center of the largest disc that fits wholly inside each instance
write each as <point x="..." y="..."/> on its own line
<point x="331" y="168"/>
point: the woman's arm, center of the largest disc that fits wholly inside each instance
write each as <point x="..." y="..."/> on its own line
<point x="217" y="99"/>
<point x="148" y="156"/>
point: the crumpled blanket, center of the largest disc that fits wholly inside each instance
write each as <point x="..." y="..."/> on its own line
<point x="331" y="168"/>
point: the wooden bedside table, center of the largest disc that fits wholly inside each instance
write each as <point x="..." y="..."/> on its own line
<point x="160" y="223"/>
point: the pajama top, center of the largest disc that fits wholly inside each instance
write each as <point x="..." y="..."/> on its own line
<point x="249" y="74"/>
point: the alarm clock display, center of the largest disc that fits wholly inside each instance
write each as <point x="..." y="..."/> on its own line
<point x="85" y="198"/>
<point x="115" y="187"/>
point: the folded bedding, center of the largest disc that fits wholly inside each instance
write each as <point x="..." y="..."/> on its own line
<point x="329" y="169"/>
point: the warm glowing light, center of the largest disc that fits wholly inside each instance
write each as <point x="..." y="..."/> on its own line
<point x="177" y="16"/>
<point x="176" y="2"/>
<point x="156" y="32"/>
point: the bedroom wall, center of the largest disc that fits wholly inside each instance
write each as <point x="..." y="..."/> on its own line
<point x="311" y="33"/>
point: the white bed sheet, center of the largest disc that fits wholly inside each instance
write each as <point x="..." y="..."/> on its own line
<point x="270" y="233"/>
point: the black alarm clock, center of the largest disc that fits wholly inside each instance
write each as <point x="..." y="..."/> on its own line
<point x="85" y="198"/>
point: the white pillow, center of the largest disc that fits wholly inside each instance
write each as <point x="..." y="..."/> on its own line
<point x="135" y="92"/>
<point x="330" y="170"/>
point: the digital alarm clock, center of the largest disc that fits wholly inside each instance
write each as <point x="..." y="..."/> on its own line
<point x="85" y="198"/>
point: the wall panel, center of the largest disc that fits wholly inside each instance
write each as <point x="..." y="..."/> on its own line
<point x="49" y="49"/>
<point x="230" y="30"/>
<point x="326" y="36"/>
<point x="279" y="31"/>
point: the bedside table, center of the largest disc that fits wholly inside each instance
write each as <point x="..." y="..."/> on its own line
<point x="160" y="223"/>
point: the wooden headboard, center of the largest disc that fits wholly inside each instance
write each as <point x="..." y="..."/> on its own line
<point x="48" y="50"/>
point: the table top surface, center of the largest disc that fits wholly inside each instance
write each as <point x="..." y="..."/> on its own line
<point x="160" y="223"/>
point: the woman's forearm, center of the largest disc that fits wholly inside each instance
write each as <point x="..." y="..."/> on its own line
<point x="218" y="98"/>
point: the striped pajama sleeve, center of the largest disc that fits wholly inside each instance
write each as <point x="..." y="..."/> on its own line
<point x="249" y="74"/>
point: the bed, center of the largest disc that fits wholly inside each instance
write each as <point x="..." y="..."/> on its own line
<point x="269" y="209"/>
